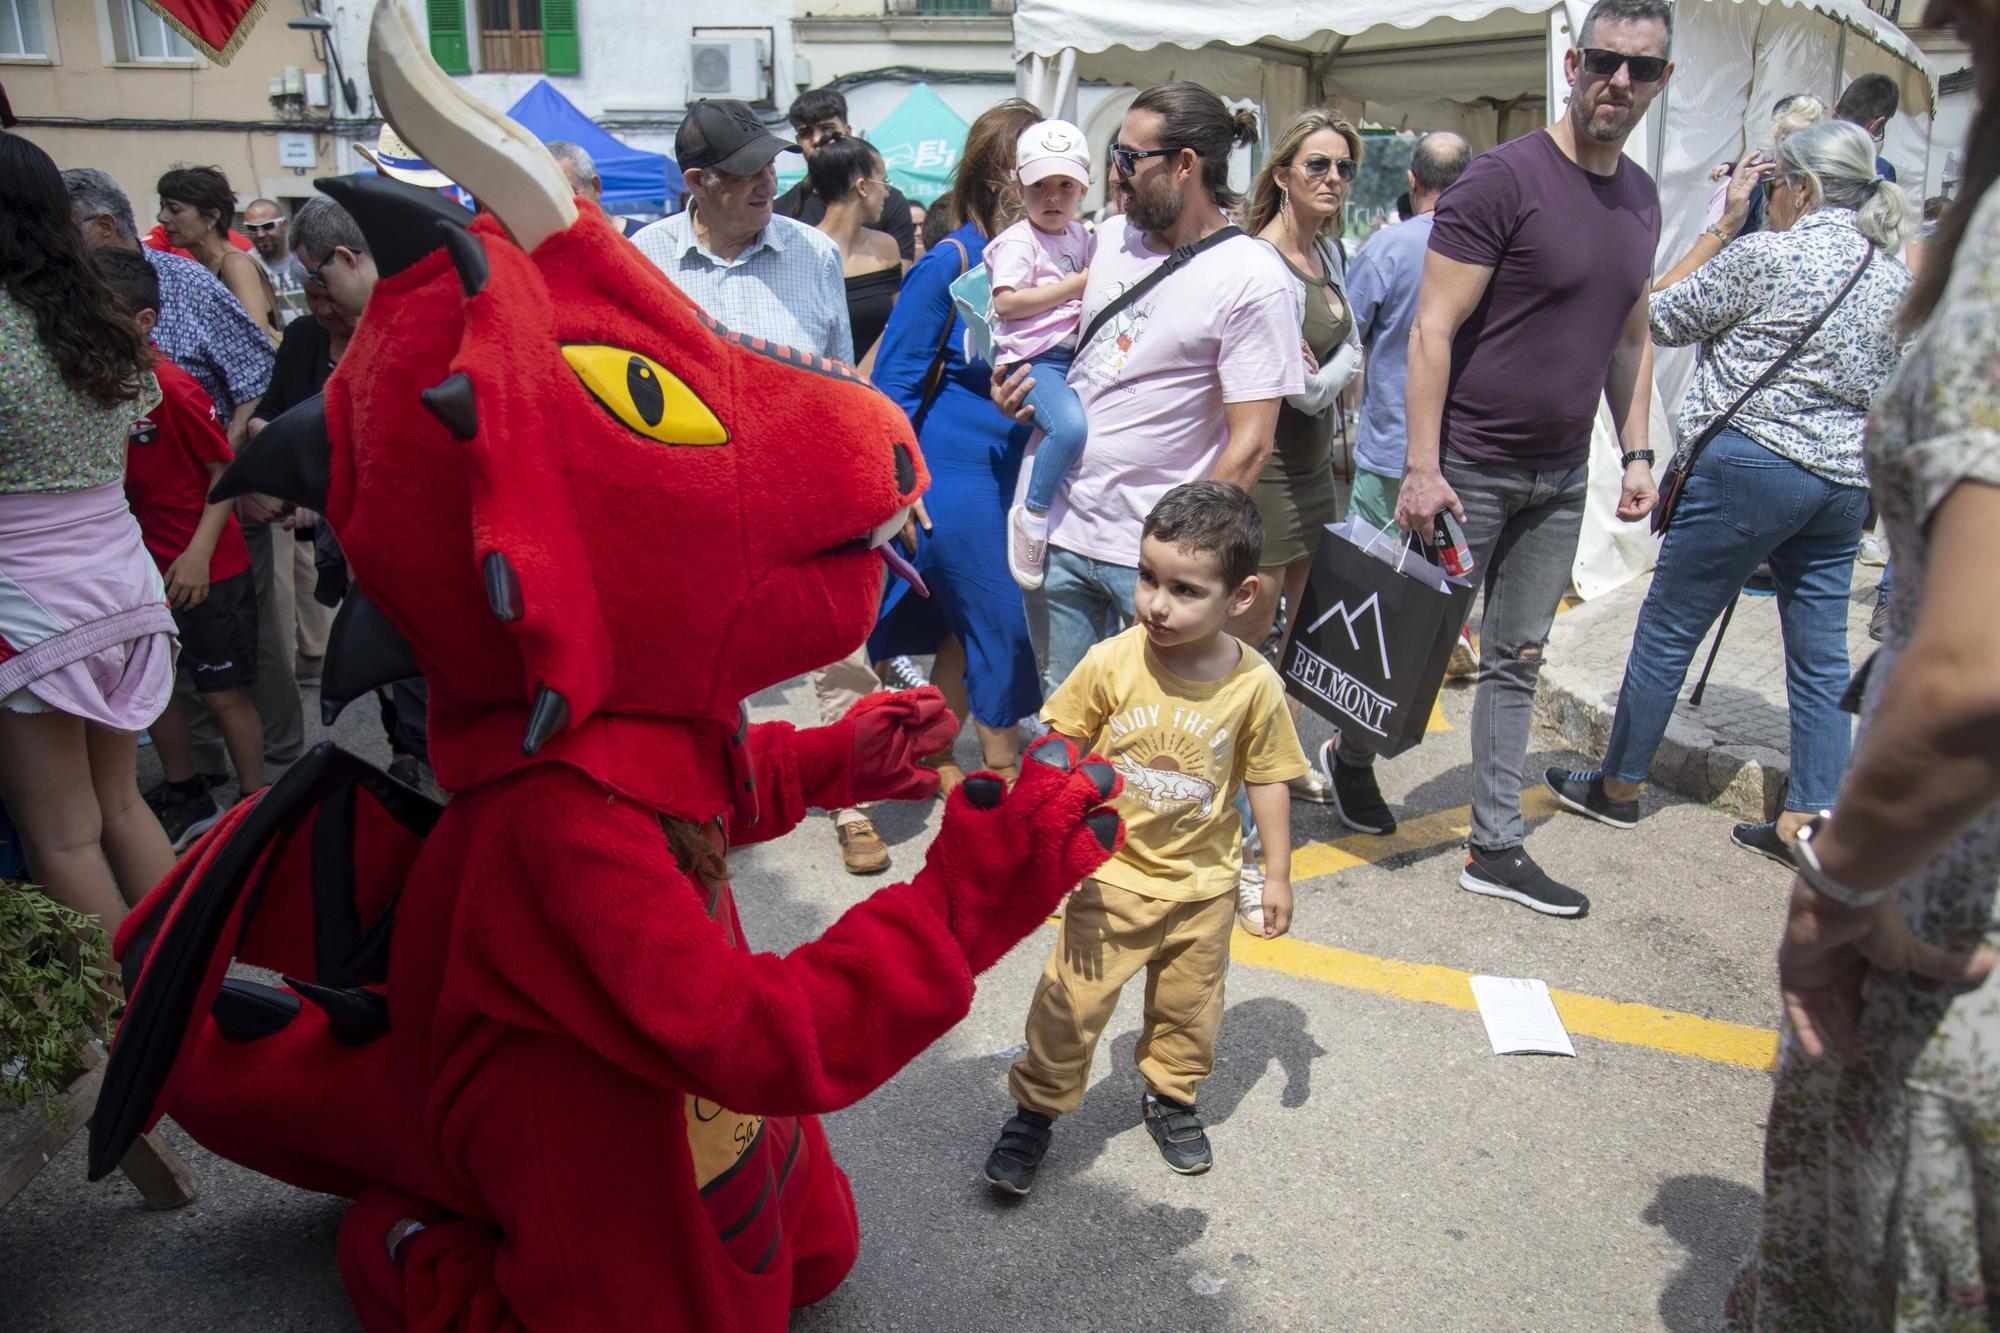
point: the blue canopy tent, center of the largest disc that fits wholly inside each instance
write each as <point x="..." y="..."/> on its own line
<point x="630" y="175"/>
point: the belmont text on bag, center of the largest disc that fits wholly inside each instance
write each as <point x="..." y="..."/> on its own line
<point x="1375" y="629"/>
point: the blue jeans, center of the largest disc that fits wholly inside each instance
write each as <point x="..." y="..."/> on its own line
<point x="1060" y="417"/>
<point x="1744" y="505"/>
<point x="1082" y="602"/>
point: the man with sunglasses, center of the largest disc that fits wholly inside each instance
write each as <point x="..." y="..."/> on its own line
<point x="264" y="223"/>
<point x="1532" y="308"/>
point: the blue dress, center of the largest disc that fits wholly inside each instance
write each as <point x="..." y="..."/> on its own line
<point x="974" y="456"/>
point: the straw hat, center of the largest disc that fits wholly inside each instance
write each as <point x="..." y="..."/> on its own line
<point x="394" y="158"/>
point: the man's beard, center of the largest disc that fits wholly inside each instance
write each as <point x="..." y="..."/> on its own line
<point x="1153" y="209"/>
<point x="1600" y="133"/>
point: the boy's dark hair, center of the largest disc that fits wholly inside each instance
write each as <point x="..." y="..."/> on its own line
<point x="1214" y="518"/>
<point x="838" y="164"/>
<point x="130" y="276"/>
<point x="1870" y="98"/>
<point x="814" y="105"/>
<point x="1659" y="11"/>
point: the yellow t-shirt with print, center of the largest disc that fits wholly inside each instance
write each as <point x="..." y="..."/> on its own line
<point x="1182" y="747"/>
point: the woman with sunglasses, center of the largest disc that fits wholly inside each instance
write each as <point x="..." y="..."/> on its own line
<point x="1295" y="207"/>
<point x="196" y="208"/>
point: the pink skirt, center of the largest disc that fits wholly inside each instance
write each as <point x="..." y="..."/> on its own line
<point x="84" y="624"/>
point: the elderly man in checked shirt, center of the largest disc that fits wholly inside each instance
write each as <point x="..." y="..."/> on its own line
<point x="769" y="277"/>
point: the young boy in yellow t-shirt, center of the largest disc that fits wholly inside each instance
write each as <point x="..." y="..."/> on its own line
<point x="1184" y="711"/>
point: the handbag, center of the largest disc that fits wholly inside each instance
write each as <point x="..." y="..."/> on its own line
<point x="934" y="377"/>
<point x="1178" y="259"/>
<point x="1676" y="479"/>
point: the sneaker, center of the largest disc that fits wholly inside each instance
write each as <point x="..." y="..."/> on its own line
<point x="1464" y="659"/>
<point x="862" y="850"/>
<point x="1177" y="1129"/>
<point x="1878" y="620"/>
<point x="1874" y="549"/>
<point x="1250" y="898"/>
<point x="1026" y="554"/>
<point x="1312" y="786"/>
<point x="1763" y="839"/>
<point x="906" y="675"/>
<point x="188" y="817"/>
<point x="159" y="796"/>
<point x="1583" y="792"/>
<point x="406" y="770"/>
<point x="1356" y="798"/>
<point x="1024" y="1142"/>
<point x="1511" y="873"/>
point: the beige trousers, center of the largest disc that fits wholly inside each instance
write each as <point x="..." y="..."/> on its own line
<point x="1108" y="935"/>
<point x="302" y="621"/>
<point x="840" y="687"/>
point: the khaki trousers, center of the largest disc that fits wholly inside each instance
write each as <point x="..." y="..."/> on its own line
<point x="302" y="621"/>
<point x="1108" y="935"/>
<point x="840" y="687"/>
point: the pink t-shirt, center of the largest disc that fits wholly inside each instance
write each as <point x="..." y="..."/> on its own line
<point x="1022" y="257"/>
<point x="1223" y="329"/>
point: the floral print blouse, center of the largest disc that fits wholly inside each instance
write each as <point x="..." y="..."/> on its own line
<point x="1752" y="301"/>
<point x="53" y="438"/>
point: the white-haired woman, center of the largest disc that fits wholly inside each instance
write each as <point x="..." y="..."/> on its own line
<point x="1782" y="479"/>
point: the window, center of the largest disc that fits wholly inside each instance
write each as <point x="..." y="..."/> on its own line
<point x="21" y="30"/>
<point x="139" y="34"/>
<point x="510" y="35"/>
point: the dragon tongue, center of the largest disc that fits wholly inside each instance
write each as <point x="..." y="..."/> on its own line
<point x="902" y="568"/>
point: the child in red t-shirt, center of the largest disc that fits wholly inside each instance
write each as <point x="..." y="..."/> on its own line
<point x="172" y="457"/>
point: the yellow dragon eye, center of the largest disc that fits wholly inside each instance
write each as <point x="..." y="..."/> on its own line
<point x="644" y="394"/>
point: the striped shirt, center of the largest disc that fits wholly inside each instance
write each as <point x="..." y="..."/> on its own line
<point x="786" y="285"/>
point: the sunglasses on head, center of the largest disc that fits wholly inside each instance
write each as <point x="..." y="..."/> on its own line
<point x="1127" y="160"/>
<point x="259" y="228"/>
<point x="1318" y="165"/>
<point x="1604" y="64"/>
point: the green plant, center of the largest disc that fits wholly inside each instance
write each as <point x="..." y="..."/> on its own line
<point x="55" y="988"/>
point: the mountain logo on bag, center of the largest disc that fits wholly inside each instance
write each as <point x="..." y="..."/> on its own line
<point x="1372" y="608"/>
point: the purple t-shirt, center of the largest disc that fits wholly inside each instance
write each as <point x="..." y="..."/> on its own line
<point x="1571" y="254"/>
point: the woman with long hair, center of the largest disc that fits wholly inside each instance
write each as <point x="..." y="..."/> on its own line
<point x="1880" y="1152"/>
<point x="196" y="208"/>
<point x="974" y="621"/>
<point x="1782" y="478"/>
<point x="90" y="660"/>
<point x="1295" y="207"/>
<point x="849" y="177"/>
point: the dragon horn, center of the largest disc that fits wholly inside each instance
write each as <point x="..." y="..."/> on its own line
<point x="501" y="164"/>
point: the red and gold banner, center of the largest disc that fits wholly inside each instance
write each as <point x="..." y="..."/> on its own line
<point x="214" y="27"/>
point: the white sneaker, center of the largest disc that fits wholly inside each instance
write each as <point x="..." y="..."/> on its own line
<point x="1874" y="549"/>
<point x="1026" y="555"/>
<point x="1250" y="899"/>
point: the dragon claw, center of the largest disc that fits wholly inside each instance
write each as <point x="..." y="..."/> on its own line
<point x="1103" y="825"/>
<point x="1054" y="751"/>
<point x="984" y="792"/>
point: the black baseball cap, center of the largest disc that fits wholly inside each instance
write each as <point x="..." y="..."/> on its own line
<point x="728" y="137"/>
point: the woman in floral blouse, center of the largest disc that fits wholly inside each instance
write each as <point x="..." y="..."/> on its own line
<point x="1882" y="1156"/>
<point x="86" y="640"/>
<point x="1783" y="480"/>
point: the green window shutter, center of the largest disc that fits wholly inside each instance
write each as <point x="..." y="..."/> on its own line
<point x="560" y="53"/>
<point x="448" y="45"/>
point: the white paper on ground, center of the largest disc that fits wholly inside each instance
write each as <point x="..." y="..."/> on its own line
<point x="1520" y="1017"/>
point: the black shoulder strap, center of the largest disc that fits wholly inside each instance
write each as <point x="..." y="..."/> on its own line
<point x="1177" y="259"/>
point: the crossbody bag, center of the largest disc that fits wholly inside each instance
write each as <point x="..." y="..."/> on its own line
<point x="1177" y="260"/>
<point x="1676" y="479"/>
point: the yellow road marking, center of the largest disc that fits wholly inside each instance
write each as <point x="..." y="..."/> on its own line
<point x="1589" y="1015"/>
<point x="1437" y="722"/>
<point x="1422" y="834"/>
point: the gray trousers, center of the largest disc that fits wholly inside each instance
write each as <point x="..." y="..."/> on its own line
<point x="1522" y="526"/>
<point x="276" y="693"/>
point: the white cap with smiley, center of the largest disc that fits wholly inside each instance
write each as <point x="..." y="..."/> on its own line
<point x="1052" y="148"/>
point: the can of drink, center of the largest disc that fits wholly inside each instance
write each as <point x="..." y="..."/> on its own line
<point x="1449" y="538"/>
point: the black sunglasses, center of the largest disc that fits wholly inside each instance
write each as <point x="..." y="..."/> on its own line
<point x="1604" y="64"/>
<point x="1316" y="167"/>
<point x="1127" y="160"/>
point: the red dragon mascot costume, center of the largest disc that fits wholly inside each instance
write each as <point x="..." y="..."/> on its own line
<point x="523" y="1032"/>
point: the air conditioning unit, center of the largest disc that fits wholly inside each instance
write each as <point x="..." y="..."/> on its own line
<point x="730" y="67"/>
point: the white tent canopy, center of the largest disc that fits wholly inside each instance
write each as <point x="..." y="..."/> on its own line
<point x="1492" y="70"/>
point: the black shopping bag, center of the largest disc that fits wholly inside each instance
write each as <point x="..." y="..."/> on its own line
<point x="1373" y="634"/>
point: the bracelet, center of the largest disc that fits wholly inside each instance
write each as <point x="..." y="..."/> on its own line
<point x="1815" y="876"/>
<point x="1636" y="456"/>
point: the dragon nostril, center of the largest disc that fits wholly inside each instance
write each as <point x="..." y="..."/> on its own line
<point x="906" y="471"/>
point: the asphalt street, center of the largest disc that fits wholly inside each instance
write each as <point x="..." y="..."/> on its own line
<point x="1376" y="1165"/>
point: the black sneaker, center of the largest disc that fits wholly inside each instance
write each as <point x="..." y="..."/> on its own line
<point x="187" y="817"/>
<point x="160" y="795"/>
<point x="406" y="770"/>
<point x="1512" y="873"/>
<point x="1356" y="798"/>
<point x="1177" y="1129"/>
<point x="1763" y="839"/>
<point x="1024" y="1142"/>
<point x="1583" y="792"/>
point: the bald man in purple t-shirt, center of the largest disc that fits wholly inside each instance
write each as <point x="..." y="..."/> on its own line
<point x="1533" y="306"/>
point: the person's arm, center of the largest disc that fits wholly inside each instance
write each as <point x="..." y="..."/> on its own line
<point x="1252" y="426"/>
<point x="247" y="283"/>
<point x="1324" y="384"/>
<point x="1022" y="302"/>
<point x="1732" y="286"/>
<point x="187" y="576"/>
<point x="1928" y="765"/>
<point x="239" y="422"/>
<point x="1258" y="364"/>
<point x="1744" y="181"/>
<point x="1271" y="810"/>
<point x="833" y="300"/>
<point x="1450" y="291"/>
<point x="1628" y="385"/>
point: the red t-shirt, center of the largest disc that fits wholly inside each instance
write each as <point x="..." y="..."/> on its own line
<point x="166" y="477"/>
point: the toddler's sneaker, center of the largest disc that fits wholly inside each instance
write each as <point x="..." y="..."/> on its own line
<point x="1024" y="1142"/>
<point x="1027" y="553"/>
<point x="1250" y="898"/>
<point x="1177" y="1129"/>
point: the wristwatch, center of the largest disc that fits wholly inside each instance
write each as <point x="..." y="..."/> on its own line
<point x="1719" y="233"/>
<point x="1637" y="456"/>
<point x="1807" y="860"/>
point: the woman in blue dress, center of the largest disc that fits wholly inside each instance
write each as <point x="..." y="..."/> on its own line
<point x="973" y="620"/>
